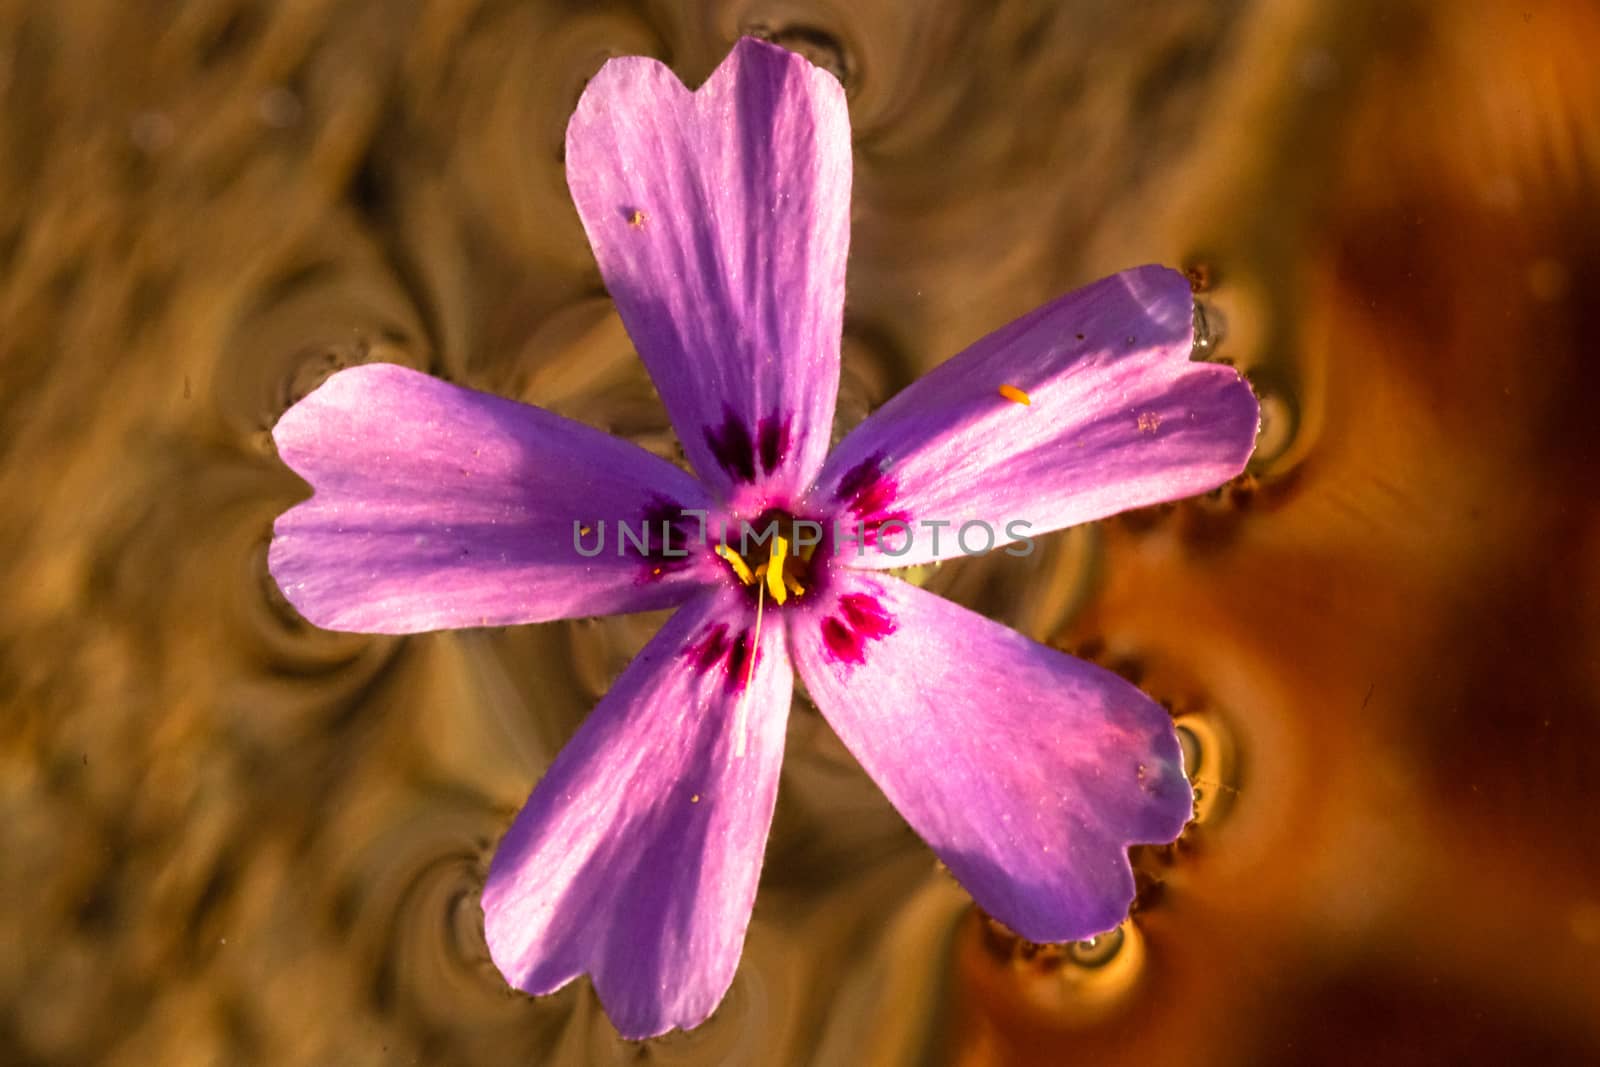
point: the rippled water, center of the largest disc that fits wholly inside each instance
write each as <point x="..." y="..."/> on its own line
<point x="227" y="837"/>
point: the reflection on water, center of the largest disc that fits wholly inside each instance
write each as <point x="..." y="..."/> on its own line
<point x="231" y="838"/>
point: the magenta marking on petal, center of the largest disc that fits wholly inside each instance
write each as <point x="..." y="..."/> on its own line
<point x="739" y="662"/>
<point x="774" y="437"/>
<point x="859" y="479"/>
<point x="843" y="643"/>
<point x="671" y="534"/>
<point x="732" y="446"/>
<point x="865" y="619"/>
<point x="738" y="453"/>
<point x="867" y="615"/>
<point x="709" y="649"/>
<point x="713" y="647"/>
<point x="875" y="498"/>
<point x="867" y="492"/>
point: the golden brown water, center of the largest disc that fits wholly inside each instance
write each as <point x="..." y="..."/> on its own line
<point x="226" y="837"/>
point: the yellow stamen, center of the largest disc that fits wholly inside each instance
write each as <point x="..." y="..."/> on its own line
<point x="736" y="563"/>
<point x="780" y="550"/>
<point x="585" y="531"/>
<point x="808" y="550"/>
<point x="1016" y="396"/>
<point x="794" y="587"/>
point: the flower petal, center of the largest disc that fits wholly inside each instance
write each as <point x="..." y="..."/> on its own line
<point x="720" y="220"/>
<point x="1086" y="407"/>
<point x="437" y="507"/>
<point x="1027" y="771"/>
<point x="637" y="856"/>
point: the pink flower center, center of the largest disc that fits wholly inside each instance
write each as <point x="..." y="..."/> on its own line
<point x="777" y="557"/>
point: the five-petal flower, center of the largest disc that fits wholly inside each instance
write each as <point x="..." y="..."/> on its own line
<point x="720" y="221"/>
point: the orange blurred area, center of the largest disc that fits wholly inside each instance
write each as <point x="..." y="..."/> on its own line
<point x="1393" y="622"/>
<point x="228" y="837"/>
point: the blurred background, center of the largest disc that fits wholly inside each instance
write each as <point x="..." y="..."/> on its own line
<point x="229" y="838"/>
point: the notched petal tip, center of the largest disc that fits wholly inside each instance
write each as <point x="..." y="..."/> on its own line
<point x="1236" y="411"/>
<point x="754" y="53"/>
<point x="719" y="219"/>
<point x="438" y="507"/>
<point x="633" y="1018"/>
<point x="648" y="889"/>
<point x="1120" y="416"/>
<point x="1168" y="298"/>
<point x="749" y="48"/>
<point x="627" y="82"/>
<point x="1028" y="773"/>
<point x="642" y="1025"/>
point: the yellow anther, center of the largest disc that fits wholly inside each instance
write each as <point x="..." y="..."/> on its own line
<point x="794" y="587"/>
<point x="736" y="563"/>
<point x="780" y="549"/>
<point x="1016" y="396"/>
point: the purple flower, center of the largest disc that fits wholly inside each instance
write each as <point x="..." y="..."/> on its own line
<point x="720" y="220"/>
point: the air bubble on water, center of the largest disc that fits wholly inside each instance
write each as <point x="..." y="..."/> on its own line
<point x="1190" y="744"/>
<point x="1210" y="327"/>
<point x="1097" y="951"/>
<point x="1278" y="426"/>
